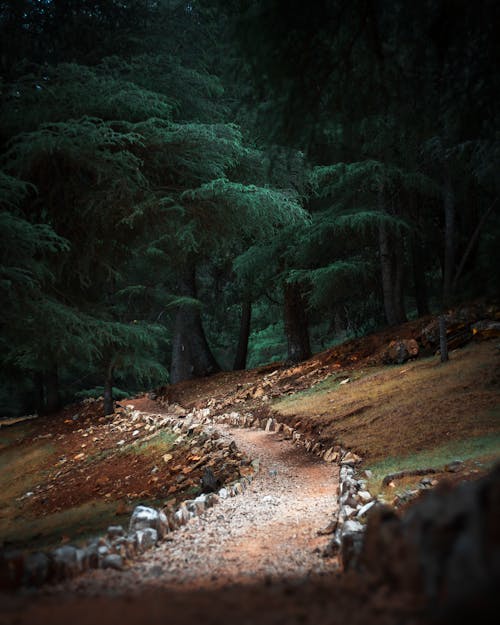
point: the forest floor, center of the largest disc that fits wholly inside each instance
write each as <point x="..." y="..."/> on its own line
<point x="68" y="476"/>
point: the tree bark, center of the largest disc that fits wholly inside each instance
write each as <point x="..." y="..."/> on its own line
<point x="472" y="242"/>
<point x="109" y="405"/>
<point x="443" y="339"/>
<point x="419" y="277"/>
<point x="191" y="355"/>
<point x="240" y="360"/>
<point x="52" y="398"/>
<point x="296" y="327"/>
<point x="449" y="237"/>
<point x="398" y="263"/>
<point x="39" y="392"/>
<point x="387" y="279"/>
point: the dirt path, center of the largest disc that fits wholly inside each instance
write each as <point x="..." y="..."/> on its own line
<point x="269" y="532"/>
<point x="252" y="559"/>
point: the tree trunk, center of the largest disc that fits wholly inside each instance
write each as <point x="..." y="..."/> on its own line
<point x="39" y="392"/>
<point x="240" y="360"/>
<point x="109" y="406"/>
<point x="191" y="355"/>
<point x="419" y="277"/>
<point x="449" y="238"/>
<point x="52" y="398"/>
<point x="296" y="328"/>
<point x="339" y="322"/>
<point x="181" y="367"/>
<point x="472" y="242"/>
<point x="443" y="339"/>
<point x="398" y="260"/>
<point x="387" y="279"/>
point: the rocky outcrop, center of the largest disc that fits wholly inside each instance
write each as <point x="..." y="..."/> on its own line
<point x="446" y="546"/>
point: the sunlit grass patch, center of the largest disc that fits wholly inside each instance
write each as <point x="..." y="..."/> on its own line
<point x="485" y="449"/>
<point x="21" y="470"/>
<point x="162" y="441"/>
<point x="77" y="524"/>
<point x="403" y="410"/>
<point x="15" y="433"/>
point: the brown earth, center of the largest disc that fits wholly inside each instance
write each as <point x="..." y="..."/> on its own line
<point x="397" y="413"/>
<point x="402" y="409"/>
<point x="74" y="473"/>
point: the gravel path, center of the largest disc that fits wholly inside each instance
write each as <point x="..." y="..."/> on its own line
<point x="254" y="559"/>
<point x="267" y="533"/>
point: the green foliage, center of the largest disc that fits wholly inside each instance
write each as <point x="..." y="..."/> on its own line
<point x="334" y="281"/>
<point x="98" y="391"/>
<point x="123" y="171"/>
<point x="71" y="91"/>
<point x="267" y="345"/>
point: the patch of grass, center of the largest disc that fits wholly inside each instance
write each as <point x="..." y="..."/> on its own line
<point x="162" y="441"/>
<point x="78" y="524"/>
<point x="405" y="410"/>
<point x="16" y="433"/>
<point x="330" y="384"/>
<point x="22" y="469"/>
<point x="485" y="448"/>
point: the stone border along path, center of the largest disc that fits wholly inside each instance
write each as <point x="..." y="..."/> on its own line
<point x="147" y="526"/>
<point x="353" y="499"/>
<point x="236" y="540"/>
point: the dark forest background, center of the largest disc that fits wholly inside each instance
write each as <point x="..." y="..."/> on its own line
<point x="189" y="186"/>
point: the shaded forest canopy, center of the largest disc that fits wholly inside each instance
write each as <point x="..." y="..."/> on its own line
<point x="189" y="186"/>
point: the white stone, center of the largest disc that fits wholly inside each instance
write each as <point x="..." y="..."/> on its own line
<point x="270" y="425"/>
<point x="112" y="561"/>
<point x="364" y="495"/>
<point x="364" y="509"/>
<point x="144" y="517"/>
<point x="348" y="512"/>
<point x="146" y="538"/>
<point x="223" y="494"/>
<point x="352" y="527"/>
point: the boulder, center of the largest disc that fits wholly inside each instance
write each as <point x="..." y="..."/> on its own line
<point x="446" y="546"/>
<point x="146" y="538"/>
<point x="270" y="425"/>
<point x="115" y="531"/>
<point x="209" y="483"/>
<point x="350" y="459"/>
<point x="11" y="569"/>
<point x="65" y="562"/>
<point x="92" y="554"/>
<point x="144" y="517"/>
<point x="36" y="569"/>
<point x="399" y="351"/>
<point x="364" y="496"/>
<point x="364" y="509"/>
<point x="112" y="561"/>
<point x="331" y="455"/>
